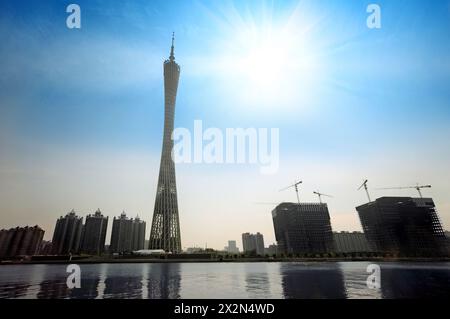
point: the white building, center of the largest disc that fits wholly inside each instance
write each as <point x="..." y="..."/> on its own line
<point x="232" y="248"/>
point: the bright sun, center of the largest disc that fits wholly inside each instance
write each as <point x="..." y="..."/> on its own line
<point x="268" y="65"/>
<point x="265" y="63"/>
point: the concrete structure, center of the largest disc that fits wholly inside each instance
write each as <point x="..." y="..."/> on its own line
<point x="94" y="234"/>
<point x="20" y="241"/>
<point x="127" y="235"/>
<point x="253" y="244"/>
<point x="271" y="250"/>
<point x="232" y="248"/>
<point x="165" y="231"/>
<point x="138" y="234"/>
<point x="403" y="225"/>
<point x="351" y="242"/>
<point x="67" y="234"/>
<point x="45" y="248"/>
<point x="303" y="228"/>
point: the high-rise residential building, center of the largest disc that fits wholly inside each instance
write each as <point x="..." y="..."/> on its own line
<point x="138" y="234"/>
<point x="351" y="242"/>
<point x="20" y="241"/>
<point x="248" y="244"/>
<point x="94" y="233"/>
<point x="259" y="239"/>
<point x="165" y="231"/>
<point x="232" y="248"/>
<point x="67" y="234"/>
<point x="303" y="228"/>
<point x="121" y="238"/>
<point x="127" y="234"/>
<point x="253" y="243"/>
<point x="403" y="225"/>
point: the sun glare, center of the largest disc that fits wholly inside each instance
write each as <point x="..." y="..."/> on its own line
<point x="268" y="63"/>
<point x="265" y="63"/>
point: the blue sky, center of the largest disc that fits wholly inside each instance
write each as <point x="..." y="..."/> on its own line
<point x="348" y="100"/>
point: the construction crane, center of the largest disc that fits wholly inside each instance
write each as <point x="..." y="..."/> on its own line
<point x="295" y="185"/>
<point x="320" y="196"/>
<point x="417" y="188"/>
<point x="365" y="187"/>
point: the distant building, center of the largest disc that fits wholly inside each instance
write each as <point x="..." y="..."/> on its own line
<point x="67" y="235"/>
<point x="403" y="225"/>
<point x="303" y="228"/>
<point x="194" y="250"/>
<point x="94" y="234"/>
<point x="127" y="234"/>
<point x="351" y="242"/>
<point x="232" y="248"/>
<point x="271" y="250"/>
<point x="253" y="243"/>
<point x="20" y="241"/>
<point x="149" y="252"/>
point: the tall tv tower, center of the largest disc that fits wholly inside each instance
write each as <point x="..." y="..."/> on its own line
<point x="165" y="232"/>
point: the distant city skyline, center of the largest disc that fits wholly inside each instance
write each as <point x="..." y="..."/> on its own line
<point x="81" y="111"/>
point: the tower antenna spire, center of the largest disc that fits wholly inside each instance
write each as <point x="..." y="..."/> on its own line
<point x="165" y="232"/>
<point x="172" y="50"/>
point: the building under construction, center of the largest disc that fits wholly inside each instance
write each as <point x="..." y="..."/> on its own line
<point x="403" y="225"/>
<point x="303" y="228"/>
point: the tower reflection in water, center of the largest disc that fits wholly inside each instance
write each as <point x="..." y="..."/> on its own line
<point x="164" y="281"/>
<point x="123" y="281"/>
<point x="312" y="281"/>
<point x="153" y="281"/>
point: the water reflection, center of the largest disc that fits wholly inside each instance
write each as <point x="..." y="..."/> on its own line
<point x="13" y="291"/>
<point x="227" y="280"/>
<point x="21" y="281"/>
<point x="54" y="284"/>
<point x="103" y="274"/>
<point x="312" y="281"/>
<point x="414" y="281"/>
<point x="257" y="280"/>
<point x="125" y="283"/>
<point x="164" y="281"/>
<point x="355" y="281"/>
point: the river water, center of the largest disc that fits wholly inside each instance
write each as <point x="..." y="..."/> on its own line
<point x="228" y="280"/>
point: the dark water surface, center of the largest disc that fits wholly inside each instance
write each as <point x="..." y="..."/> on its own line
<point x="227" y="280"/>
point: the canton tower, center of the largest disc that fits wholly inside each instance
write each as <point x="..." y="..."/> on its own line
<point x="165" y="232"/>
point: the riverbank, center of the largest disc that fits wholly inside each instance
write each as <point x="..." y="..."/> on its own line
<point x="97" y="260"/>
